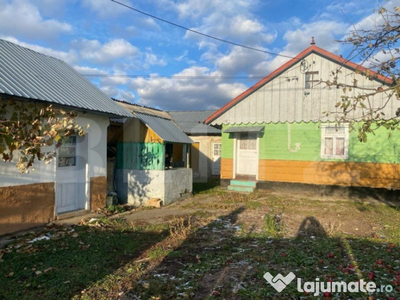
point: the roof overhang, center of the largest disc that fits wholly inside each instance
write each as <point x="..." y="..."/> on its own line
<point x="237" y="129"/>
<point x="164" y="128"/>
<point x="312" y="49"/>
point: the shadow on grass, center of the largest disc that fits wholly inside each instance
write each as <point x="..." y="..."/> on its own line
<point x="62" y="267"/>
<point x="218" y="260"/>
<point x="222" y="261"/>
<point x="205" y="187"/>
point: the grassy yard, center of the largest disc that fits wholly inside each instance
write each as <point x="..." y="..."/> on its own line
<point x="220" y="250"/>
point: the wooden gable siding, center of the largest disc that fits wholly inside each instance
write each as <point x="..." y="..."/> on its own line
<point x="285" y="98"/>
<point x="134" y="131"/>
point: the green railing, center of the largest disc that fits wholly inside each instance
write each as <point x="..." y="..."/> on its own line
<point x="140" y="156"/>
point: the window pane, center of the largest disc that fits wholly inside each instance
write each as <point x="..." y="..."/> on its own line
<point x="67" y="151"/>
<point x="307" y="82"/>
<point x="252" y="144"/>
<point x="69" y="140"/>
<point x="243" y="144"/>
<point x="328" y="146"/>
<point x="340" y="146"/>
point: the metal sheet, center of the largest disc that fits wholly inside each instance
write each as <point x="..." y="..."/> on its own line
<point x="29" y="74"/>
<point x="165" y="129"/>
<point x="244" y="129"/>
<point x="192" y="122"/>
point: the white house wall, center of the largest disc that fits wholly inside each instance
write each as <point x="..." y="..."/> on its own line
<point x="136" y="187"/>
<point x="205" y="156"/>
<point x="41" y="172"/>
<point x="285" y="99"/>
<point x="28" y="200"/>
<point x="97" y="143"/>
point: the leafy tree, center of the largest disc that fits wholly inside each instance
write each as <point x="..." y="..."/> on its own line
<point x="35" y="130"/>
<point x="378" y="48"/>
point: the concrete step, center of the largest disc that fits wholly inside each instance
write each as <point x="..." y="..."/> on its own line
<point x="241" y="188"/>
<point x="244" y="183"/>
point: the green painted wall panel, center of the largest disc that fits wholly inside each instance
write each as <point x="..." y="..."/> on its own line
<point x="227" y="144"/>
<point x="140" y="156"/>
<point x="379" y="148"/>
<point x="273" y="144"/>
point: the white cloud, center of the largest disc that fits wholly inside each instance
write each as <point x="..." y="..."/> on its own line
<point x="109" y="52"/>
<point x="126" y="96"/>
<point x="323" y="32"/>
<point x="191" y="89"/>
<point x="239" y="29"/>
<point x="89" y="70"/>
<point x="374" y="19"/>
<point x="150" y="59"/>
<point x="185" y="57"/>
<point x="116" y="78"/>
<point x="111" y="91"/>
<point x="239" y="61"/>
<point x="193" y="9"/>
<point x="23" y="19"/>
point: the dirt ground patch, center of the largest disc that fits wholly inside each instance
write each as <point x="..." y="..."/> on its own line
<point x="215" y="245"/>
<point x="335" y="214"/>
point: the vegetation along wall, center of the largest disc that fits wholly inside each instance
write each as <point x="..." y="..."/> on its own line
<point x="373" y="164"/>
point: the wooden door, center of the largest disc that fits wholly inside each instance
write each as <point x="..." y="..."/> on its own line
<point x="71" y="182"/>
<point x="247" y="154"/>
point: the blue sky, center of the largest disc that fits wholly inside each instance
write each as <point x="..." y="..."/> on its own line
<point x="136" y="58"/>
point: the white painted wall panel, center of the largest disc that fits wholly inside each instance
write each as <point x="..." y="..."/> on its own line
<point x="40" y="173"/>
<point x="283" y="100"/>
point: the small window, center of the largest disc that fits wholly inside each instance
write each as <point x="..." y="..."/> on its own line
<point x="67" y="152"/>
<point x="334" y="141"/>
<point x="248" y="141"/>
<point x="311" y="79"/>
<point x="216" y="149"/>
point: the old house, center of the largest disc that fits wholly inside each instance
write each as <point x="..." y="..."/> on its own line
<point x="149" y="157"/>
<point x="277" y="130"/>
<point x="205" y="152"/>
<point x="76" y="179"/>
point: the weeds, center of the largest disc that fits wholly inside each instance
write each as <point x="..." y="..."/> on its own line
<point x="179" y="228"/>
<point x="209" y="254"/>
<point x="273" y="225"/>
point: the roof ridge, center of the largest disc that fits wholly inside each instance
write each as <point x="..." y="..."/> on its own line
<point x="135" y="104"/>
<point x="309" y="50"/>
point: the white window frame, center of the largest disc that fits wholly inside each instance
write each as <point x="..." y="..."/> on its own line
<point x="213" y="149"/>
<point x="213" y="156"/>
<point x="334" y="136"/>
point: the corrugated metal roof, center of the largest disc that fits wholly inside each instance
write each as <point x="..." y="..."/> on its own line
<point x="244" y="129"/>
<point x="191" y="122"/>
<point x="165" y="129"/>
<point x="29" y="74"/>
<point x="132" y="107"/>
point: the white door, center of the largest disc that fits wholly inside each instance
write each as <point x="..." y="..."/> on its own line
<point x="71" y="182"/>
<point x="247" y="154"/>
<point x="216" y="159"/>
